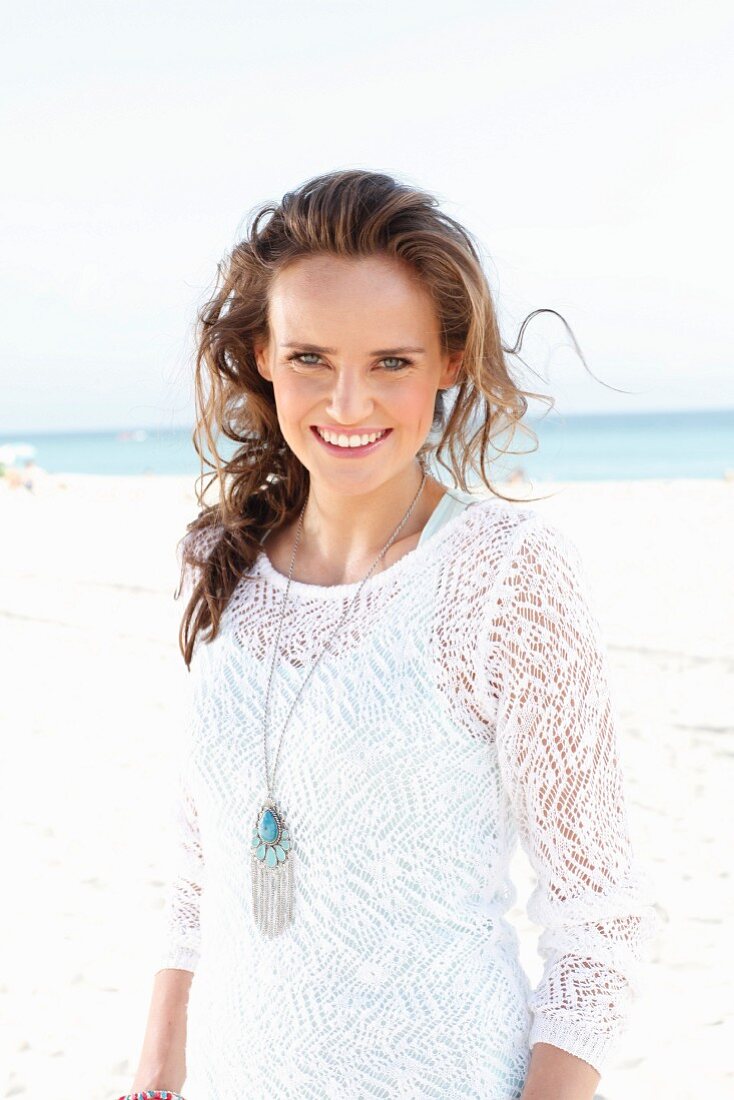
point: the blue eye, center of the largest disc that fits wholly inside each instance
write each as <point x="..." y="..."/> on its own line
<point x="300" y="356"/>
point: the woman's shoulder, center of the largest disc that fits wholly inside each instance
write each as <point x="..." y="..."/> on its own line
<point x="496" y="523"/>
<point x="511" y="521"/>
<point x="198" y="542"/>
<point x="497" y="533"/>
<point x="530" y="555"/>
<point x="192" y="551"/>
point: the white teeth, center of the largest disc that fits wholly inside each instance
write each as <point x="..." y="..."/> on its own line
<point x="342" y="440"/>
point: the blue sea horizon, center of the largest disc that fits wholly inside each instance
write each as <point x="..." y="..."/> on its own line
<point x="580" y="447"/>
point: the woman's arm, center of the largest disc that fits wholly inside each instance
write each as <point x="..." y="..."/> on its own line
<point x="555" y="1074"/>
<point x="560" y="766"/>
<point x="162" y="1062"/>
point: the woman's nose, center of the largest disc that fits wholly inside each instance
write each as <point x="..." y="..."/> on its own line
<point x="350" y="401"/>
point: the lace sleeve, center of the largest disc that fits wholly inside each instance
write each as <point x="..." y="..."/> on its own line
<point x="181" y="945"/>
<point x="181" y="935"/>
<point x="560" y="766"/>
<point x="191" y="553"/>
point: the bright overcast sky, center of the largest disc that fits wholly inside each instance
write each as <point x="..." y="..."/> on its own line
<point x="585" y="145"/>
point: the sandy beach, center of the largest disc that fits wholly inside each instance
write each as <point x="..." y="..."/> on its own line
<point x="91" y="710"/>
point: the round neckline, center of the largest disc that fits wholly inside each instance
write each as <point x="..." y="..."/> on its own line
<point x="335" y="591"/>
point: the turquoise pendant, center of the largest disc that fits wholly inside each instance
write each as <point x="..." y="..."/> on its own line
<point x="272" y="870"/>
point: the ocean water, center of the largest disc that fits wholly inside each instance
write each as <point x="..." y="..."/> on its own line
<point x="593" y="447"/>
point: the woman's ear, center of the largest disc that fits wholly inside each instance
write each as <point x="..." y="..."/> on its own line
<point x="451" y="369"/>
<point x="261" y="361"/>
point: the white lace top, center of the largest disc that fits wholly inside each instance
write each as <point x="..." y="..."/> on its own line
<point x="464" y="701"/>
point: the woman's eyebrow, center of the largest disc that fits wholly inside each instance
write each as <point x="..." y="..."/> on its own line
<point x="332" y="351"/>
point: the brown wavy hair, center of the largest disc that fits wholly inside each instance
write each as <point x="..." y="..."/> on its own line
<point x="263" y="485"/>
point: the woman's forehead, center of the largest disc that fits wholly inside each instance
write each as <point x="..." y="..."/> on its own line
<point x="340" y="293"/>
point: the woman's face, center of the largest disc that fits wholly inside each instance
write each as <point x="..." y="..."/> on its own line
<point x="354" y="351"/>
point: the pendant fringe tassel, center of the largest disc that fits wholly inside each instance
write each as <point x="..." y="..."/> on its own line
<point x="272" y="895"/>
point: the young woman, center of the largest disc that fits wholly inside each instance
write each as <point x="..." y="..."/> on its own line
<point x="391" y="678"/>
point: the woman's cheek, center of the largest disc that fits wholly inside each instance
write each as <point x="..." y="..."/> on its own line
<point x="292" y="406"/>
<point x="414" y="408"/>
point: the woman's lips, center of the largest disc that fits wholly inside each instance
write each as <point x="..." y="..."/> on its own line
<point x="352" y="452"/>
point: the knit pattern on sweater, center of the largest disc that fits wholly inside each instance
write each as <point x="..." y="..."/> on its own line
<point x="464" y="703"/>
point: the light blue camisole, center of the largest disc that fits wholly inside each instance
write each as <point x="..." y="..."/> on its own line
<point x="451" y="504"/>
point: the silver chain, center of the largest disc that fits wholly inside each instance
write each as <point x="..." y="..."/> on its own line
<point x="379" y="557"/>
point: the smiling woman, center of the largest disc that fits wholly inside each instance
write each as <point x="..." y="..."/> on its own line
<point x="353" y="306"/>
<point x="354" y="418"/>
<point x="434" y="670"/>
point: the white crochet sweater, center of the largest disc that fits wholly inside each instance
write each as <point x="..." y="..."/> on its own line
<point x="465" y="701"/>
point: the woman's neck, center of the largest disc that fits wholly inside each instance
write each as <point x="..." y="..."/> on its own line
<point x="342" y="536"/>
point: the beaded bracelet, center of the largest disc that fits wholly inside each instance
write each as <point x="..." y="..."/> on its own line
<point x="159" y="1094"/>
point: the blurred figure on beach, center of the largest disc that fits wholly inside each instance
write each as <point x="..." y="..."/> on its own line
<point x="31" y="476"/>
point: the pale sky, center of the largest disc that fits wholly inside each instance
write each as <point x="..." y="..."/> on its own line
<point x="585" y="145"/>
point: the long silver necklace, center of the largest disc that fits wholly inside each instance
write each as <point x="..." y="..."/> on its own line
<point x="271" y="857"/>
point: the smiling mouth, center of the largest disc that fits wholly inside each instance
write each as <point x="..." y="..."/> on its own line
<point x="351" y="441"/>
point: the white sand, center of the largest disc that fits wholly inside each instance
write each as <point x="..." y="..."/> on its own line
<point x="91" y="711"/>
